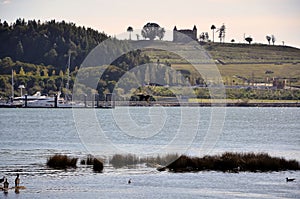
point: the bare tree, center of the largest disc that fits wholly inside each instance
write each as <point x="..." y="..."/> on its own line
<point x="273" y="39"/>
<point x="213" y="27"/>
<point x="221" y="31"/>
<point x="268" y="38"/>
<point x="130" y="30"/>
<point x="204" y="36"/>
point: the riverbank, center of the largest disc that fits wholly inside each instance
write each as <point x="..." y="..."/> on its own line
<point x="204" y="103"/>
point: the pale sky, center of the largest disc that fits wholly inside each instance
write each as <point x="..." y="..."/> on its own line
<point x="255" y="18"/>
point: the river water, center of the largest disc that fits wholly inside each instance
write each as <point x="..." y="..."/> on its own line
<point x="29" y="136"/>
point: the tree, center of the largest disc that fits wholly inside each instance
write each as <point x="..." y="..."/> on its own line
<point x="204" y="36"/>
<point x="161" y="33"/>
<point x="221" y="31"/>
<point x="152" y="30"/>
<point x="130" y="30"/>
<point x="22" y="72"/>
<point x="273" y="39"/>
<point x="249" y="39"/>
<point x="213" y="27"/>
<point x="268" y="38"/>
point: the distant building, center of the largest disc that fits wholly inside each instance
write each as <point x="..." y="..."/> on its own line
<point x="184" y="35"/>
<point x="279" y="84"/>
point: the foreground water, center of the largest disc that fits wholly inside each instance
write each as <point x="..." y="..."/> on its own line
<point x="29" y="136"/>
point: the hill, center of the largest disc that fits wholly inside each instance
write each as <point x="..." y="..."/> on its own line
<point x="38" y="54"/>
<point x="47" y="43"/>
<point x="237" y="62"/>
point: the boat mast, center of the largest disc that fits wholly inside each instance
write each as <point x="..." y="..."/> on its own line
<point x="12" y="84"/>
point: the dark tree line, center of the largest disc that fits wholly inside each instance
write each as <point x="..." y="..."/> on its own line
<point x="47" y="43"/>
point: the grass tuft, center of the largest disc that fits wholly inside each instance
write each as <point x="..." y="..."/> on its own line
<point x="61" y="162"/>
<point x="97" y="165"/>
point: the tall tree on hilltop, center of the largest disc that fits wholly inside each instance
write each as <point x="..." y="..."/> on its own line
<point x="249" y="39"/>
<point x="152" y="30"/>
<point x="221" y="31"/>
<point x="269" y="39"/>
<point x="273" y="39"/>
<point x="213" y="27"/>
<point x="130" y="30"/>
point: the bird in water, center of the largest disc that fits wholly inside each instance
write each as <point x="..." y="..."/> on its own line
<point x="129" y="181"/>
<point x="290" y="179"/>
<point x="6" y="184"/>
<point x="17" y="181"/>
<point x="2" y="180"/>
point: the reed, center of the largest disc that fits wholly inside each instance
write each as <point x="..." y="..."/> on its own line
<point x="233" y="162"/>
<point x="61" y="162"/>
<point x="120" y="160"/>
<point x="97" y="165"/>
<point x="96" y="162"/>
<point x="88" y="161"/>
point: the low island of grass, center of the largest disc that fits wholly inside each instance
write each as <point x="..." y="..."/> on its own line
<point x="226" y="162"/>
<point x="59" y="161"/>
<point x="232" y="162"/>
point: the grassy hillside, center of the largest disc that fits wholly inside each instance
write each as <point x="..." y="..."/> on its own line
<point x="257" y="62"/>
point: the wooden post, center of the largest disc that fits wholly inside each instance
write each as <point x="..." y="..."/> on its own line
<point x="55" y="101"/>
<point x="85" y="104"/>
<point x="25" y="100"/>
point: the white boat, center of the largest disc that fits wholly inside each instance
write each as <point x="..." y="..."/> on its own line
<point x="43" y="101"/>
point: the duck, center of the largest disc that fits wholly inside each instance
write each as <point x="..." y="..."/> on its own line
<point x="17" y="181"/>
<point x="290" y="179"/>
<point x="6" y="184"/>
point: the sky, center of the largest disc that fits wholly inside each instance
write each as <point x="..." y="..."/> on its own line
<point x="255" y="18"/>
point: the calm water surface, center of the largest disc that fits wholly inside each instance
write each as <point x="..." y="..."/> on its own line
<point x="29" y="136"/>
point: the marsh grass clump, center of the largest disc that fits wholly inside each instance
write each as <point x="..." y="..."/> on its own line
<point x="119" y="161"/>
<point x="233" y="162"/>
<point x="61" y="162"/>
<point x="97" y="165"/>
<point x="88" y="161"/>
<point x="159" y="160"/>
<point x="96" y="162"/>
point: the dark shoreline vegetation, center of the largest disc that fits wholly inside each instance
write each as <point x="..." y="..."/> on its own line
<point x="226" y="162"/>
<point x="58" y="161"/>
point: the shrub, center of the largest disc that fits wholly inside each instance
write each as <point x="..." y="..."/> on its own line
<point x="97" y="165"/>
<point x="61" y="162"/>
